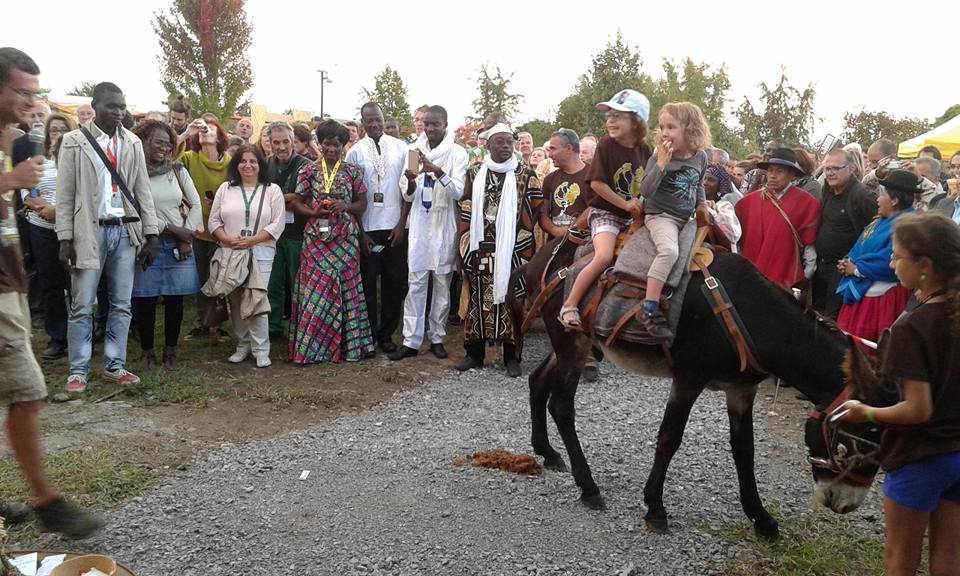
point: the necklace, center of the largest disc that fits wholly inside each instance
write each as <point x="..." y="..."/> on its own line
<point x="931" y="296"/>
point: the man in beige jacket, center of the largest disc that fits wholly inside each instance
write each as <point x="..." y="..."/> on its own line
<point x="102" y="229"/>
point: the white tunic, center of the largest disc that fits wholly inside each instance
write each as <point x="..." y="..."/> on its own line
<point x="433" y="233"/>
<point x="383" y="192"/>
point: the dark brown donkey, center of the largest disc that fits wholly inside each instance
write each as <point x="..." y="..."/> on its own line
<point x="790" y="342"/>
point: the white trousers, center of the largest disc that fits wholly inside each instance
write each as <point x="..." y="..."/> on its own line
<point x="415" y="306"/>
<point x="253" y="334"/>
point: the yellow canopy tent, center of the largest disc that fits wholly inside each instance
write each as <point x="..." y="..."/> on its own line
<point x="260" y="117"/>
<point x="946" y="137"/>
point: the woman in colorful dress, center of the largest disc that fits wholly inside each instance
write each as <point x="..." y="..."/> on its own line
<point x="329" y="310"/>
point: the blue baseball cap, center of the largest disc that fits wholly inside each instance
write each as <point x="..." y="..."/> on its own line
<point x="628" y="101"/>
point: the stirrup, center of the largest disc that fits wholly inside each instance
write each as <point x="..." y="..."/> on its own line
<point x="570" y="325"/>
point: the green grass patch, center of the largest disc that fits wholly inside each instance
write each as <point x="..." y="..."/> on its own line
<point x="181" y="386"/>
<point x="821" y="544"/>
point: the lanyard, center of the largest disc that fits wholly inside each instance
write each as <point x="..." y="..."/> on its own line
<point x="114" y="156"/>
<point x="247" y="203"/>
<point x="329" y="176"/>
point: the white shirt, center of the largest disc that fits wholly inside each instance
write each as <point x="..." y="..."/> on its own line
<point x="433" y="232"/>
<point x="383" y="193"/>
<point x="111" y="203"/>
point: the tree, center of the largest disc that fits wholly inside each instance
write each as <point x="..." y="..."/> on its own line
<point x="203" y="45"/>
<point x="83" y="89"/>
<point x="615" y="68"/>
<point x="866" y="127"/>
<point x="494" y="95"/>
<point x="787" y="114"/>
<point x="390" y="92"/>
<point x="948" y="114"/>
<point x="541" y="130"/>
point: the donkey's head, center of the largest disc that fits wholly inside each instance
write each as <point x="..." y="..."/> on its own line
<point x="844" y="455"/>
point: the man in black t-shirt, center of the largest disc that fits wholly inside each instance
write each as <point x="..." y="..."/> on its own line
<point x="564" y="189"/>
<point x="283" y="166"/>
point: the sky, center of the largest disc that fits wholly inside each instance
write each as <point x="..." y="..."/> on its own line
<point x="879" y="55"/>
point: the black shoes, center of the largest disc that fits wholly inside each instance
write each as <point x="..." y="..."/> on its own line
<point x="656" y="324"/>
<point x="54" y="351"/>
<point x="439" y="351"/>
<point x="388" y="346"/>
<point x="14" y="513"/>
<point x="402" y="352"/>
<point x="513" y="367"/>
<point x="64" y="518"/>
<point x="469" y="362"/>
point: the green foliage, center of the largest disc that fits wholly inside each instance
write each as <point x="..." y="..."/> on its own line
<point x="786" y="113"/>
<point x="866" y="127"/>
<point x="948" y="114"/>
<point x="84" y="88"/>
<point x="493" y="95"/>
<point x="203" y="45"/>
<point x="390" y="92"/>
<point x="541" y="130"/>
<point x="616" y="67"/>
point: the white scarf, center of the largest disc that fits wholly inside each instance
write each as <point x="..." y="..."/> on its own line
<point x="440" y="157"/>
<point x="506" y="221"/>
<point x="371" y="153"/>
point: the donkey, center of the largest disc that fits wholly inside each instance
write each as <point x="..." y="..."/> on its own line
<point x="790" y="342"/>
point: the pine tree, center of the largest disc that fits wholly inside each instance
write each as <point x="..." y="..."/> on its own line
<point x="787" y="114"/>
<point x="390" y="92"/>
<point x="203" y="56"/>
<point x="494" y="95"/>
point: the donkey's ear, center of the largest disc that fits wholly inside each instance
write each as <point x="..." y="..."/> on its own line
<point x="859" y="371"/>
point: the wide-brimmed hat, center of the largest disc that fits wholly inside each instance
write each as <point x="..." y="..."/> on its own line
<point x="783" y="157"/>
<point x="903" y="181"/>
<point x="628" y="101"/>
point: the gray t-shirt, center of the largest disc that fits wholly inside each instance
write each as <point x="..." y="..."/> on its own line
<point x="676" y="190"/>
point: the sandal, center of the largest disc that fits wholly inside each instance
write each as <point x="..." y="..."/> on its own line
<point x="573" y="324"/>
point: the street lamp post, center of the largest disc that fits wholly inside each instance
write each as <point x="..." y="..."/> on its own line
<point x="324" y="78"/>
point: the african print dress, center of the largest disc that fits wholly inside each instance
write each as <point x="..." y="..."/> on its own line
<point x="329" y="311"/>
<point x="486" y="321"/>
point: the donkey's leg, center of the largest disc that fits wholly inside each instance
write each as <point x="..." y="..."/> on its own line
<point x="740" y="412"/>
<point x="541" y="380"/>
<point x="562" y="409"/>
<point x="684" y="392"/>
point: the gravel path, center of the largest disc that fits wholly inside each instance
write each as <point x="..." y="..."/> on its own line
<point x="383" y="495"/>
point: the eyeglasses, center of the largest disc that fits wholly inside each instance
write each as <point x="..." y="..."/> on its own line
<point x="611" y="115"/>
<point x="834" y="168"/>
<point x="894" y="258"/>
<point x="25" y="94"/>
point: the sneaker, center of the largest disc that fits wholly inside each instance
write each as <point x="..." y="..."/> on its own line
<point x="238" y="356"/>
<point x="263" y="360"/>
<point x="54" y="351"/>
<point x="76" y="383"/>
<point x="64" y="518"/>
<point x="14" y="513"/>
<point x="121" y="377"/>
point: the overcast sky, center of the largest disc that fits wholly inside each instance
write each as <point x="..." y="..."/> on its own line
<point x="898" y="57"/>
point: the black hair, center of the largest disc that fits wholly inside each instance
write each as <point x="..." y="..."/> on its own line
<point x="104" y="88"/>
<point x="128" y="121"/>
<point x="438" y="110"/>
<point x="233" y="168"/>
<point x="569" y="137"/>
<point x="370" y="105"/>
<point x="180" y="105"/>
<point x="13" y="59"/>
<point x="333" y="129"/>
<point x="932" y="150"/>
<point x="145" y="130"/>
<point x="301" y="133"/>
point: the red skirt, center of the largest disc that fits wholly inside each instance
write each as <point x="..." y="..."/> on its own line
<point x="869" y="317"/>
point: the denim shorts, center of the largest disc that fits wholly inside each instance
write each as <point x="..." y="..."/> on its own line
<point x="921" y="485"/>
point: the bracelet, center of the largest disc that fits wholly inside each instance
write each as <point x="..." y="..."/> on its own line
<point x="870" y="417"/>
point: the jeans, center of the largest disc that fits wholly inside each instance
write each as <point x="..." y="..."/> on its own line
<point x="52" y="281"/>
<point x="117" y="259"/>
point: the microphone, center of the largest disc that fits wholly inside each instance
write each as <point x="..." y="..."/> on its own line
<point x="36" y="141"/>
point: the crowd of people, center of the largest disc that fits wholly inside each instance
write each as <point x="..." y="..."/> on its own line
<point x="330" y="237"/>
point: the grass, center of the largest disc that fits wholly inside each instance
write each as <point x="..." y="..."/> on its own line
<point x="821" y="544"/>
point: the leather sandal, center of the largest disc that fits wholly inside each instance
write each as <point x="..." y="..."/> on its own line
<point x="570" y="325"/>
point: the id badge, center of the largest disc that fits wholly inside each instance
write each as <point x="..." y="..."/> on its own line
<point x="246" y="233"/>
<point x="288" y="217"/>
<point x="378" y="198"/>
<point x="323" y="225"/>
<point x="115" y="201"/>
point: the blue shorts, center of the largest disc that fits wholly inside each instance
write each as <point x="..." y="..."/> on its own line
<point x="921" y="485"/>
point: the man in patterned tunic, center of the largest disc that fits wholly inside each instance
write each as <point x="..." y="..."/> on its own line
<point x="500" y="207"/>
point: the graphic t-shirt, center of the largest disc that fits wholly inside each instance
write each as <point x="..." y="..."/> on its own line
<point x="621" y="169"/>
<point x="565" y="195"/>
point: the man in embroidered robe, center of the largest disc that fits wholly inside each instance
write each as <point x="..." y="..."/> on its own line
<point x="501" y="205"/>
<point x="779" y="223"/>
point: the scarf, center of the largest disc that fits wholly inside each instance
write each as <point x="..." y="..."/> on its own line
<point x="439" y="156"/>
<point x="370" y="152"/>
<point x="871" y="256"/>
<point x="724" y="186"/>
<point x="506" y="220"/>
<point x="159" y="169"/>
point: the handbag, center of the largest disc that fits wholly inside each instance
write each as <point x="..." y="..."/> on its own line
<point x="214" y="313"/>
<point x="185" y="205"/>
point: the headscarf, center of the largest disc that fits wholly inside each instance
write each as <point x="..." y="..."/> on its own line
<point x="724" y="186"/>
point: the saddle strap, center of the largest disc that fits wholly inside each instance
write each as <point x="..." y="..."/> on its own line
<point x="547" y="289"/>
<point x="724" y="310"/>
<point x="631" y="313"/>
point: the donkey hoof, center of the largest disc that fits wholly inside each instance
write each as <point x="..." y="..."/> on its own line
<point x="657" y="524"/>
<point x="555" y="463"/>
<point x="769" y="530"/>
<point x="594" y="501"/>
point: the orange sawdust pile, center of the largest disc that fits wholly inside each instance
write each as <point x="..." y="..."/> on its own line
<point x="503" y="460"/>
